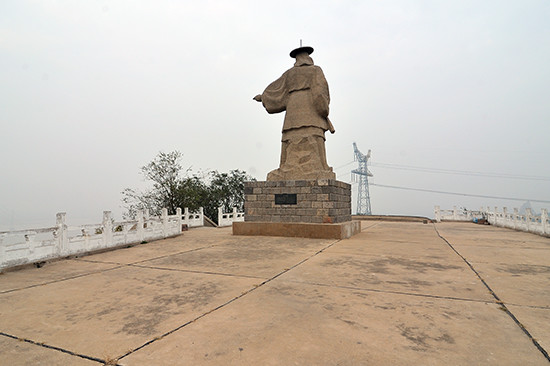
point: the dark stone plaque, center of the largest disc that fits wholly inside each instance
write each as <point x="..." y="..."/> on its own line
<point x="286" y="199"/>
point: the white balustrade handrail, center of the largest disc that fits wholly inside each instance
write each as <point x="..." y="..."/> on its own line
<point x="457" y="214"/>
<point x="21" y="247"/>
<point x="537" y="224"/>
<point x="227" y="219"/>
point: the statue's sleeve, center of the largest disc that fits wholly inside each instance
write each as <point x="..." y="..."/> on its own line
<point x="321" y="96"/>
<point x="275" y="96"/>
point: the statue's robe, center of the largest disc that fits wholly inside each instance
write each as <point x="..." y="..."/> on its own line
<point x="303" y="93"/>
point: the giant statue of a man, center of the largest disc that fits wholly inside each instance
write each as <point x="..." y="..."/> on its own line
<point x="302" y="92"/>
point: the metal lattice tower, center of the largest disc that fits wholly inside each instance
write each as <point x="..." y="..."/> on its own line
<point x="362" y="173"/>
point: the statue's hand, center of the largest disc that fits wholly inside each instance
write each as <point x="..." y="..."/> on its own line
<point x="258" y="98"/>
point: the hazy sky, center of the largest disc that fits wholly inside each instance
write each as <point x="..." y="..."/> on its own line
<point x="90" y="91"/>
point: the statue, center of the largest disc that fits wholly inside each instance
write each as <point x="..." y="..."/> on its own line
<point x="302" y="92"/>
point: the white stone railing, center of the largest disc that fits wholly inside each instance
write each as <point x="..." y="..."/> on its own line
<point x="193" y="219"/>
<point x="537" y="224"/>
<point x="37" y="245"/>
<point x="227" y="219"/>
<point x="457" y="215"/>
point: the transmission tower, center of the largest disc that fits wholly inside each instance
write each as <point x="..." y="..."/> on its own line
<point x="362" y="174"/>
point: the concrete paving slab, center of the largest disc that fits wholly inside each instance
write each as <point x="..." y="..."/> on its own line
<point x="486" y="235"/>
<point x="536" y="320"/>
<point x="516" y="271"/>
<point x="411" y="302"/>
<point x="363" y="244"/>
<point x="285" y="323"/>
<point x="392" y="273"/>
<point x="50" y="272"/>
<point x="496" y="242"/>
<point x="262" y="261"/>
<point x="262" y="242"/>
<point x="155" y="249"/>
<point x="519" y="284"/>
<point x="15" y="352"/>
<point x="393" y="231"/>
<point x="110" y="313"/>
<point x="509" y="255"/>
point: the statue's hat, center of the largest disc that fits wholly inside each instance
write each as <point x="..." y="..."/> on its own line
<point x="298" y="50"/>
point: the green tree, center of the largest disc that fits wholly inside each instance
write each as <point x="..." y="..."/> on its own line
<point x="164" y="171"/>
<point x="225" y="190"/>
<point x="172" y="190"/>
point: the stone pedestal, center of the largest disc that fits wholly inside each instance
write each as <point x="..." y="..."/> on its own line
<point x="302" y="203"/>
<point x="343" y="230"/>
<point x="310" y="201"/>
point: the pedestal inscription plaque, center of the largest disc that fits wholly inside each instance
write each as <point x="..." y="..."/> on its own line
<point x="286" y="199"/>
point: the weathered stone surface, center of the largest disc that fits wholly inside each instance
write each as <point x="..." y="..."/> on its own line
<point x="297" y="228"/>
<point x="302" y="92"/>
<point x="17" y="352"/>
<point x="318" y="201"/>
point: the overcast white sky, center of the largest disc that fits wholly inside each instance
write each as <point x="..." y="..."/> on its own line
<point x="90" y="91"/>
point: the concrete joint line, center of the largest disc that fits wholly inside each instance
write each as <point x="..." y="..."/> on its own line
<point x="531" y="306"/>
<point x="226" y="303"/>
<point x="391" y="292"/>
<point x="40" y="344"/>
<point x="169" y="255"/>
<point x="61" y="280"/>
<point x="368" y="227"/>
<point x="498" y="300"/>
<point x="191" y="271"/>
<point x="145" y="260"/>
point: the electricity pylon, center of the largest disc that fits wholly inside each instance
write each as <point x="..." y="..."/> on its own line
<point x="362" y="173"/>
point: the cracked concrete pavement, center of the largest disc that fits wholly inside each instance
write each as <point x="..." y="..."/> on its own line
<point x="398" y="293"/>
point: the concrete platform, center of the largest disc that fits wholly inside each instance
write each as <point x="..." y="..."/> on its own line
<point x="398" y="293"/>
<point x="342" y="230"/>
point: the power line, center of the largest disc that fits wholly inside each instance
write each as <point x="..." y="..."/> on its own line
<point x="450" y="171"/>
<point x="458" y="194"/>
<point x="345" y="165"/>
<point x="459" y="172"/>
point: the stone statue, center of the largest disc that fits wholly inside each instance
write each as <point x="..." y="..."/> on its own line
<point x="302" y="92"/>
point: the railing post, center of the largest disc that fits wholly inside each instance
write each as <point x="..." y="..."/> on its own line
<point x="186" y="217"/>
<point x="164" y="217"/>
<point x="107" y="229"/>
<point x="61" y="233"/>
<point x="234" y="214"/>
<point x="516" y="214"/>
<point x="86" y="236"/>
<point x="29" y="239"/>
<point x="528" y="216"/>
<point x="505" y="217"/>
<point x="179" y="220"/>
<point x="220" y="215"/>
<point x="146" y="221"/>
<point x="437" y="213"/>
<point x="543" y="221"/>
<point x="3" y="258"/>
<point x="201" y="213"/>
<point x="455" y="214"/>
<point x="140" y="231"/>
